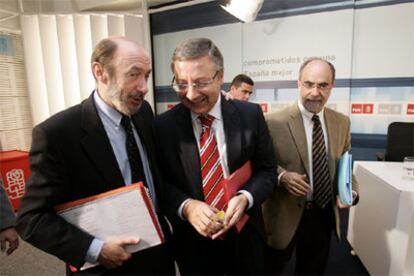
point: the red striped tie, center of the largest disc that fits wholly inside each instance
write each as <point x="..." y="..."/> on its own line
<point x="211" y="170"/>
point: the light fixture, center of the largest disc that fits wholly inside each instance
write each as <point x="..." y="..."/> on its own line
<point x="245" y="10"/>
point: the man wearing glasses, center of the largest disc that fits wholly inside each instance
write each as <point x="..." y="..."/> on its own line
<point x="308" y="139"/>
<point x="201" y="141"/>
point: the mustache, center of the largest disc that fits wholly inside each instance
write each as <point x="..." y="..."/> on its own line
<point x="136" y="94"/>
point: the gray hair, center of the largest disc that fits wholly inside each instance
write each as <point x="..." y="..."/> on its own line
<point x="302" y="67"/>
<point x="196" y="48"/>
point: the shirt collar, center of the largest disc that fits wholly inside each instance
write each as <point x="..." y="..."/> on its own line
<point x="306" y="114"/>
<point x="215" y="111"/>
<point x="112" y="114"/>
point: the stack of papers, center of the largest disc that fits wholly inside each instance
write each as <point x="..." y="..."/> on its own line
<point x="126" y="212"/>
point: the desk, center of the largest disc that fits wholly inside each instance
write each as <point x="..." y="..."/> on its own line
<point x="381" y="226"/>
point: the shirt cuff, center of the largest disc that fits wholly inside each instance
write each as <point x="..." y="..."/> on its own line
<point x="279" y="177"/>
<point x="94" y="251"/>
<point x="249" y="198"/>
<point x="180" y="210"/>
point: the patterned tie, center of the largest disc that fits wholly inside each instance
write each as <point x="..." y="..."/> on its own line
<point x="211" y="170"/>
<point x="137" y="172"/>
<point x="322" y="192"/>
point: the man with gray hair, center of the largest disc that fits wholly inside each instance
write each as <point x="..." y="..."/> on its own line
<point x="200" y="142"/>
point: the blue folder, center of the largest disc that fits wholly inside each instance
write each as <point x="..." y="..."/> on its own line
<point x="345" y="178"/>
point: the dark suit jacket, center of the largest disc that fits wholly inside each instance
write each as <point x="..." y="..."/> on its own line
<point x="7" y="218"/>
<point x="247" y="138"/>
<point x="282" y="211"/>
<point x="71" y="158"/>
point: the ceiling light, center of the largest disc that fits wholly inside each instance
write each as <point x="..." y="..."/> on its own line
<point x="245" y="10"/>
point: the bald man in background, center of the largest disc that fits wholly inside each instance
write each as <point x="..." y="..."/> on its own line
<point x="302" y="211"/>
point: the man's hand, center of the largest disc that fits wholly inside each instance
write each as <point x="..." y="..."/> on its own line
<point x="10" y="236"/>
<point x="113" y="252"/>
<point x="295" y="183"/>
<point x="341" y="205"/>
<point x="234" y="212"/>
<point x="202" y="217"/>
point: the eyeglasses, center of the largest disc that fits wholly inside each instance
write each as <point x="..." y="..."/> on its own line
<point x="200" y="85"/>
<point x="321" y="86"/>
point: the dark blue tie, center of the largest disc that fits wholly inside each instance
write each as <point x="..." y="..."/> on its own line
<point x="134" y="157"/>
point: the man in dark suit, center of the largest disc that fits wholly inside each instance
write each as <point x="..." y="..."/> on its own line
<point x="204" y="243"/>
<point x="82" y="151"/>
<point x="299" y="214"/>
<point x="8" y="234"/>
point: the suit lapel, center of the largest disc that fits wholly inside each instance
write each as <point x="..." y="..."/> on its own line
<point x="299" y="136"/>
<point x="98" y="147"/>
<point x="232" y="126"/>
<point x="188" y="152"/>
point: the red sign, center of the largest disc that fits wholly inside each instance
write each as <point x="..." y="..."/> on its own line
<point x="362" y="108"/>
<point x="356" y="108"/>
<point x="410" y="109"/>
<point x="368" y="108"/>
<point x="170" y="106"/>
<point x="264" y="107"/>
<point x="14" y="171"/>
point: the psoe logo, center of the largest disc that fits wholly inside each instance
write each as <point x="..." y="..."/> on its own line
<point x="15" y="183"/>
<point x="410" y="109"/>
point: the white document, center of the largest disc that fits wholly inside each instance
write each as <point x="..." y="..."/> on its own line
<point x="122" y="213"/>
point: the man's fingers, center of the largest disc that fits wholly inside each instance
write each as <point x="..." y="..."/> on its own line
<point x="13" y="246"/>
<point x="10" y="250"/>
<point x="130" y="241"/>
<point x="219" y="233"/>
<point x="297" y="190"/>
<point x="3" y="245"/>
<point x="234" y="218"/>
<point x="203" y="218"/>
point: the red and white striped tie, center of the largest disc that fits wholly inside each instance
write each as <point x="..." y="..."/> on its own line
<point x="211" y="169"/>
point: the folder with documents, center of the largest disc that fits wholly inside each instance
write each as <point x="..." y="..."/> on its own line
<point x="235" y="182"/>
<point x="345" y="178"/>
<point x="121" y="213"/>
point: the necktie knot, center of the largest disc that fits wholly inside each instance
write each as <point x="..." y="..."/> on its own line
<point x="126" y="123"/>
<point x="206" y="120"/>
<point x="315" y="119"/>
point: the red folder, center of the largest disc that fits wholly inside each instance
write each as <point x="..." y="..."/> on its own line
<point x="145" y="204"/>
<point x="234" y="183"/>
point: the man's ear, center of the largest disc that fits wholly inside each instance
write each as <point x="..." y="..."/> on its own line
<point x="99" y="72"/>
